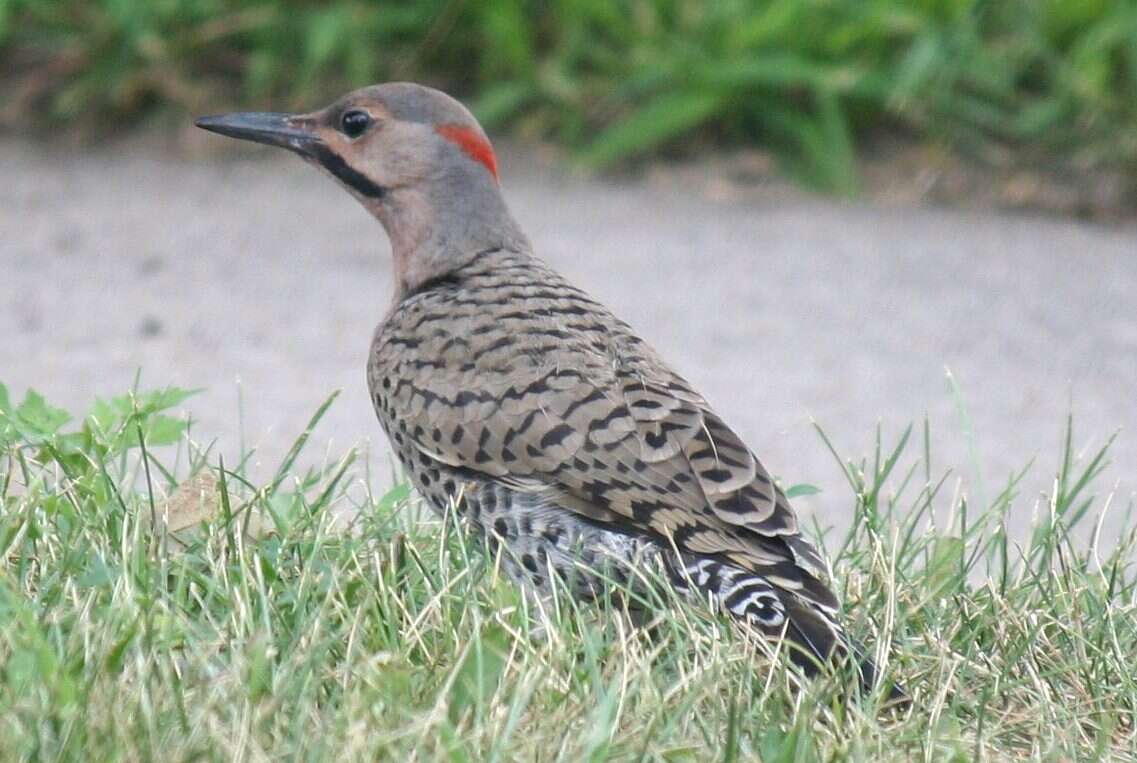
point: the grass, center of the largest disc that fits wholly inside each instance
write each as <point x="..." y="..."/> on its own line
<point x="155" y="604"/>
<point x="813" y="80"/>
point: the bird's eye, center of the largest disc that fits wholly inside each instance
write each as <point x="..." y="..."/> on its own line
<point x="354" y="122"/>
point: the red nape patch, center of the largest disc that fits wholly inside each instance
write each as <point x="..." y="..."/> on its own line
<point x="468" y="139"/>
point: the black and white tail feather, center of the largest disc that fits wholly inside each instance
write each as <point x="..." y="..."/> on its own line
<point x="815" y="637"/>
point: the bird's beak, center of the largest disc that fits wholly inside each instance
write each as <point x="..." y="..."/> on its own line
<point x="283" y="130"/>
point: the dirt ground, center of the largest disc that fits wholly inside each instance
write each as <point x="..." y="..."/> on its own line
<point x="260" y="281"/>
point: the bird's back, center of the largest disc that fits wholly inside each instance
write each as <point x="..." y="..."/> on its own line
<point x="565" y="435"/>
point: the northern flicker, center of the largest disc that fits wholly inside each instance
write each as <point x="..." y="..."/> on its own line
<point x="509" y="393"/>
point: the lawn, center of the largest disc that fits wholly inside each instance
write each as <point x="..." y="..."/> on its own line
<point x="155" y="604"/>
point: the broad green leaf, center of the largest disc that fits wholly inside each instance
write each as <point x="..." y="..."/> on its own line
<point x="794" y="491"/>
<point x="500" y="102"/>
<point x="36" y="416"/>
<point x="667" y="116"/>
<point x="165" y="399"/>
<point x="163" y="430"/>
<point x="259" y="669"/>
<point x="508" y="29"/>
<point x="478" y="676"/>
<point x="117" y="653"/>
<point x="394" y="497"/>
<point x="774" y="70"/>
<point x="7" y="430"/>
<point x="325" y="31"/>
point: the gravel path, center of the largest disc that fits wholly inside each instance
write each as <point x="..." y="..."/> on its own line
<point x="259" y="280"/>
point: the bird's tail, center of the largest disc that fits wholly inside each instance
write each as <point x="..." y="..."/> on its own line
<point x="804" y="618"/>
<point x="817" y="640"/>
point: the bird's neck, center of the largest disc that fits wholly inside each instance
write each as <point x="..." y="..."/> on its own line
<point x="435" y="232"/>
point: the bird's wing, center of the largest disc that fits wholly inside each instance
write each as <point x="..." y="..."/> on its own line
<point x="629" y="445"/>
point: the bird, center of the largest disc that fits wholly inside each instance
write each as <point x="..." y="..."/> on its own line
<point x="545" y="421"/>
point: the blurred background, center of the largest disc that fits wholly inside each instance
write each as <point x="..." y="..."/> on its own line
<point x="1049" y="85"/>
<point x="816" y="208"/>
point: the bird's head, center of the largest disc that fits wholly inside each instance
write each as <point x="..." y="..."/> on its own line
<point x="413" y="156"/>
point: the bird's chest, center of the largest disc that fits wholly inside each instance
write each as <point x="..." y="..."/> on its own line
<point x="441" y="374"/>
<point x="441" y="366"/>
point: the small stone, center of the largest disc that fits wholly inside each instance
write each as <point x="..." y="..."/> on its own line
<point x="150" y="327"/>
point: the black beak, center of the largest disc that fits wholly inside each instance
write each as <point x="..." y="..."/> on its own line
<point x="283" y="130"/>
<point x="296" y="134"/>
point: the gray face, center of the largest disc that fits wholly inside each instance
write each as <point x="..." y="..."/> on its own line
<point x="373" y="139"/>
<point x="414" y="157"/>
